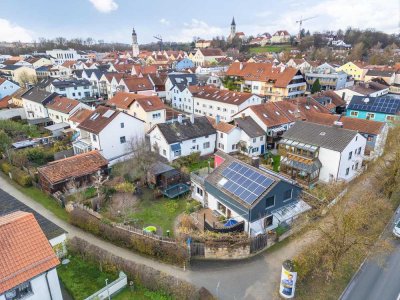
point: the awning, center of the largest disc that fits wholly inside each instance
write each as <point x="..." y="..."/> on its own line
<point x="176" y="147"/>
<point x="57" y="126"/>
<point x="290" y="211"/>
<point x="278" y="129"/>
<point x="308" y="168"/>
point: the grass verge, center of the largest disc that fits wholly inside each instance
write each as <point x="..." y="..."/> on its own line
<point x="140" y="293"/>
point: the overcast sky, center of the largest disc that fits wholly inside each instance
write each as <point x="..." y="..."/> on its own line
<point x="112" y="20"/>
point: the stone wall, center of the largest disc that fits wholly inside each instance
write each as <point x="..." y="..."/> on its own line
<point x="226" y="251"/>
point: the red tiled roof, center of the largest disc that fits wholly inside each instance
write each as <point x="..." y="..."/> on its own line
<point x="124" y="100"/>
<point x="265" y="72"/>
<point x="97" y="120"/>
<point x="69" y="63"/>
<point x="72" y="167"/>
<point x="279" y="32"/>
<point x="2" y="80"/>
<point x="221" y="126"/>
<point x="123" y="68"/>
<point x="25" y="250"/>
<point x="138" y="84"/>
<point x="212" y="52"/>
<point x="4" y="102"/>
<point x="80" y="115"/>
<point x="62" y="104"/>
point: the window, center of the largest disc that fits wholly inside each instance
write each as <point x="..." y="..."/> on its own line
<point x="347" y="171"/>
<point x="73" y="94"/>
<point x="164" y="152"/>
<point x="354" y="113"/>
<point x="287" y="195"/>
<point x="122" y="125"/>
<point x="255" y="149"/>
<point x="194" y="141"/>
<point x="20" y="292"/>
<point x="122" y="140"/>
<point x="206" y="145"/>
<point x="261" y="138"/>
<point x="370" y="138"/>
<point x="270" y="202"/>
<point x="199" y="191"/>
<point x="350" y="154"/>
<point x="221" y="135"/>
<point x="268" y="221"/>
<point x="224" y="109"/>
<point x="177" y="152"/>
<point x="221" y="208"/>
<point x="389" y="118"/>
<point x="94" y="137"/>
<point x="254" y="140"/>
<point x="156" y="115"/>
<point x="370" y="116"/>
<point x="359" y="151"/>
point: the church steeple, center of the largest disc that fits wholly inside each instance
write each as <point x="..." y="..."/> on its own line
<point x="233" y="22"/>
<point x="233" y="29"/>
<point x="135" y="45"/>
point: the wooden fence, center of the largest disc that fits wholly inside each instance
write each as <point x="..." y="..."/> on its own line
<point x="141" y="232"/>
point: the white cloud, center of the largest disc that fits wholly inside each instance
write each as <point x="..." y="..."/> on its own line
<point x="196" y="28"/>
<point x="165" y="21"/>
<point x="10" y="32"/>
<point x="104" y="6"/>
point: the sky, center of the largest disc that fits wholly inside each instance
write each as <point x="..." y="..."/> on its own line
<point x="112" y="20"/>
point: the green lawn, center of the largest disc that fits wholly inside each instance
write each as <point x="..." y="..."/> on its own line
<point x="201" y="164"/>
<point x="83" y="278"/>
<point x="140" y="293"/>
<point x="270" y="48"/>
<point x="160" y="212"/>
<point x="41" y="198"/>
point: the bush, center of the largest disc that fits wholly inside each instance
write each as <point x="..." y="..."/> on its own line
<point x="6" y="167"/>
<point x="39" y="156"/>
<point x="167" y="252"/>
<point x="21" y="177"/>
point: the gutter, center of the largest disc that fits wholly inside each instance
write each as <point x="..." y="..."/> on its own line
<point x="48" y="285"/>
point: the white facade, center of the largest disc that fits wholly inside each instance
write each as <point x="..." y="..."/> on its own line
<point x="253" y="145"/>
<point x="228" y="141"/>
<point x="73" y="92"/>
<point x="60" y="117"/>
<point x="113" y="140"/>
<point x="59" y="56"/>
<point x="204" y="145"/>
<point x="43" y="287"/>
<point x="348" y="93"/>
<point x="34" y="110"/>
<point x="343" y="165"/>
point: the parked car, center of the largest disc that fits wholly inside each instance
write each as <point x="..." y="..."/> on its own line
<point x="396" y="229"/>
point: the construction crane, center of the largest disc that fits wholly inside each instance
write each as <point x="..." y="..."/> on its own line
<point x="160" y="41"/>
<point x="301" y="24"/>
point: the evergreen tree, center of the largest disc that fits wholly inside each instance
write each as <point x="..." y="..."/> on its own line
<point x="316" y="87"/>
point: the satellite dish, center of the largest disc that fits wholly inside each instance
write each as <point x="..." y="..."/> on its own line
<point x="366" y="100"/>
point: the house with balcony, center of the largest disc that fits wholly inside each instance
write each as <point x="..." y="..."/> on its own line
<point x="258" y="198"/>
<point x="312" y="152"/>
<point x="28" y="261"/>
<point x="381" y="109"/>
<point x="183" y="137"/>
<point x="150" y="109"/>
<point x="110" y="131"/>
<point x="328" y="78"/>
<point x="265" y="79"/>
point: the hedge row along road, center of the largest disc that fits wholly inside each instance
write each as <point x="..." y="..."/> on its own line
<point x="255" y="278"/>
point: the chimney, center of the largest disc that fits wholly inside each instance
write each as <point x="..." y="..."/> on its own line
<point x="240" y="66"/>
<point x="217" y="119"/>
<point x="255" y="162"/>
<point x="180" y="118"/>
<point x="192" y="118"/>
<point x="243" y="115"/>
<point x="338" y="124"/>
<point x="308" y="102"/>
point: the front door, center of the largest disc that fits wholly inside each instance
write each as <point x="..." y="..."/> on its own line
<point x="262" y="149"/>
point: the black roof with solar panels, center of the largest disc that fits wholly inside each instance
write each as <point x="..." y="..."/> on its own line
<point x="383" y="104"/>
<point x="245" y="188"/>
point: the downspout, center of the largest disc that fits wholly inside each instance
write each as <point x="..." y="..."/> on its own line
<point x="340" y="160"/>
<point x="249" y="220"/>
<point x="48" y="286"/>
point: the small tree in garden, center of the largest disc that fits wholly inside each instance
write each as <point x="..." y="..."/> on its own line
<point x="316" y="87"/>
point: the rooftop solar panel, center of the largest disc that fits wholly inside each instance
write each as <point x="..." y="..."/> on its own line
<point x="244" y="182"/>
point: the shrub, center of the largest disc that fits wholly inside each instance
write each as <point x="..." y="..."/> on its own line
<point x="6" y="167"/>
<point x="21" y="177"/>
<point x="39" y="156"/>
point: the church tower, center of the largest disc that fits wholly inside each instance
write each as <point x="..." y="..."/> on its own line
<point x="233" y="28"/>
<point x="135" y="45"/>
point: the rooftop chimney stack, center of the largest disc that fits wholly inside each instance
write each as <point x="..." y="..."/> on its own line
<point x="338" y="124"/>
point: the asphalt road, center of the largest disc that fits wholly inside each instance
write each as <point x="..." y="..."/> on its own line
<point x="379" y="276"/>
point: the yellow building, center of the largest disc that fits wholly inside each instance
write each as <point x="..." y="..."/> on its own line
<point x="356" y="70"/>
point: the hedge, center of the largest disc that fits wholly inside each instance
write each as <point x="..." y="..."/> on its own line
<point x="6" y="167"/>
<point x="146" y="276"/>
<point x="167" y="252"/>
<point x="21" y="177"/>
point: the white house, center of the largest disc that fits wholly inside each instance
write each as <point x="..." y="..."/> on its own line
<point x="71" y="88"/>
<point x="109" y="131"/>
<point x="321" y="152"/>
<point x="137" y="85"/>
<point x="150" y="109"/>
<point x="28" y="260"/>
<point x="34" y="102"/>
<point x="181" y="138"/>
<point x="7" y="87"/>
<point x="61" y="108"/>
<point x="280" y="37"/>
<point x="228" y="135"/>
<point x="212" y="102"/>
<point x="178" y="82"/>
<point x="207" y="56"/>
<point x="252" y="137"/>
<point x="59" y="56"/>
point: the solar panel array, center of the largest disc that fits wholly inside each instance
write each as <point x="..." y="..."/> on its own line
<point x="386" y="105"/>
<point x="244" y="182"/>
